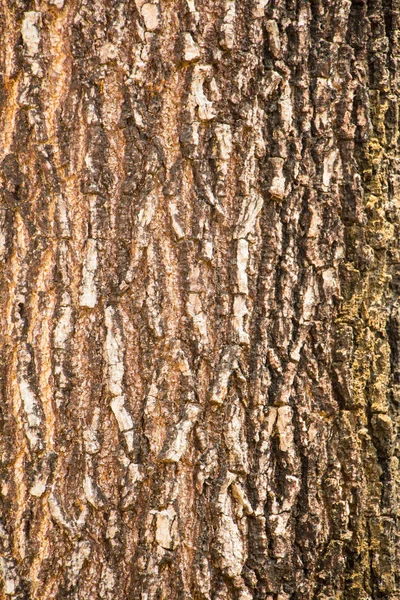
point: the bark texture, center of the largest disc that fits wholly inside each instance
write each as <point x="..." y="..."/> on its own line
<point x="200" y="324"/>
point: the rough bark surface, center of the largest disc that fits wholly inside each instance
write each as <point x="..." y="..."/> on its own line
<point x="200" y="324"/>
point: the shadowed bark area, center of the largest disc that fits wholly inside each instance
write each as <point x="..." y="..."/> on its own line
<point x="199" y="291"/>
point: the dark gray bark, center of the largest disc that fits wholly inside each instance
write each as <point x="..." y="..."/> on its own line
<point x="200" y="327"/>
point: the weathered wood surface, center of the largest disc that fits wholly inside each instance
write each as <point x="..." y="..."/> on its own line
<point x="200" y="324"/>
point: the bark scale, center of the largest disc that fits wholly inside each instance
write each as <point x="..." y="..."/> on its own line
<point x="200" y="325"/>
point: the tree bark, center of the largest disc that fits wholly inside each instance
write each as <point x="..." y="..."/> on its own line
<point x="200" y="324"/>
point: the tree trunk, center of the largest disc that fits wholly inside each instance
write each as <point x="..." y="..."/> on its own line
<point x="200" y="324"/>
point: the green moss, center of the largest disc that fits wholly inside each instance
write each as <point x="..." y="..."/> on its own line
<point x="365" y="292"/>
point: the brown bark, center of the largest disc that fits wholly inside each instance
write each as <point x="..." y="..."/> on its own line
<point x="200" y="327"/>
